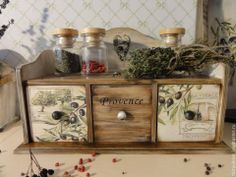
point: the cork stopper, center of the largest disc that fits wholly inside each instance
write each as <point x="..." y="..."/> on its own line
<point x="164" y="31"/>
<point x="92" y="31"/>
<point x="65" y="32"/>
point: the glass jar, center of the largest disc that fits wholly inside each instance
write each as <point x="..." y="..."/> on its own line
<point x="171" y="37"/>
<point x="67" y="59"/>
<point x="93" y="51"/>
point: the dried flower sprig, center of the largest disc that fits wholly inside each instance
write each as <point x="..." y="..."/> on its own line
<point x="3" y="5"/>
<point x="3" y="28"/>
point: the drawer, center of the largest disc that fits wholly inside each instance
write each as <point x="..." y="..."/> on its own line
<point x="57" y="113"/>
<point x="122" y="113"/>
<point x="188" y="112"/>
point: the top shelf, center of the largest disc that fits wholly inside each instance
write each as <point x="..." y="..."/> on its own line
<point x="109" y="79"/>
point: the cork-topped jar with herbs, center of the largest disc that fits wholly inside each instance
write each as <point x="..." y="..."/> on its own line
<point x="66" y="56"/>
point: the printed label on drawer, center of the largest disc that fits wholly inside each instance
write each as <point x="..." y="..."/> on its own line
<point x="187" y="112"/>
<point x="57" y="113"/>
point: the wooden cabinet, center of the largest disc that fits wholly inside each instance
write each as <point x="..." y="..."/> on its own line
<point x="111" y="102"/>
<point x="122" y="115"/>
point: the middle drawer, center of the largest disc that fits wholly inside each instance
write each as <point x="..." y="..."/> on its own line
<point x="122" y="113"/>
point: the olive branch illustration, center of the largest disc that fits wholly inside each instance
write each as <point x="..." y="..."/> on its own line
<point x="174" y="102"/>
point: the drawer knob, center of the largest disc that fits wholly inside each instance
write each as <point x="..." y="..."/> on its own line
<point x="121" y="115"/>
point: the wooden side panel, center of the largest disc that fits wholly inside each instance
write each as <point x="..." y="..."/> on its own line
<point x="135" y="101"/>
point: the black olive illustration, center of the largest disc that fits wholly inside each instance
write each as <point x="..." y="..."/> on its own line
<point x="73" y="119"/>
<point x="57" y="115"/>
<point x="178" y="95"/>
<point x="169" y="102"/>
<point x="63" y="137"/>
<point x="162" y="100"/>
<point x="74" y="104"/>
<point x="82" y="112"/>
<point x="189" y="115"/>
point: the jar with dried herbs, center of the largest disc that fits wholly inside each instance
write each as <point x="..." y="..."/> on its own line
<point x="93" y="51"/>
<point x="171" y="37"/>
<point x="67" y="59"/>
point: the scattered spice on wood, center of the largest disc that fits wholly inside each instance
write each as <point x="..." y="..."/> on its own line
<point x="208" y="168"/>
<point x="76" y="167"/>
<point x="220" y="166"/>
<point x="82" y="168"/>
<point x="57" y="164"/>
<point x="207" y="172"/>
<point x="66" y="173"/>
<point x="94" y="154"/>
<point x="185" y="160"/>
<point x="81" y="161"/>
<point x="114" y="160"/>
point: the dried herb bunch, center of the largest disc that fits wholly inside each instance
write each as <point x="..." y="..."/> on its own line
<point x="196" y="57"/>
<point x="149" y="63"/>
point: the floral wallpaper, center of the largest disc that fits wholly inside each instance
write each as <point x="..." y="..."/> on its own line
<point x="34" y="20"/>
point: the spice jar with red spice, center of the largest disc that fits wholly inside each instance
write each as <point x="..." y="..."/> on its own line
<point x="93" y="51"/>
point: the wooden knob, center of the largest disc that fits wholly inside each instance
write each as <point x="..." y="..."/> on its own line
<point x="121" y="115"/>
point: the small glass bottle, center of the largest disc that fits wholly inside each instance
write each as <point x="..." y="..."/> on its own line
<point x="93" y="51"/>
<point x="172" y="37"/>
<point x="67" y="59"/>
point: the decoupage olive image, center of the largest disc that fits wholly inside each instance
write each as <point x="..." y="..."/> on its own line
<point x="187" y="112"/>
<point x="57" y="113"/>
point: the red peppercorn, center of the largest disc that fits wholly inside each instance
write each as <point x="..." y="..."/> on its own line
<point x="81" y="161"/>
<point x="89" y="160"/>
<point x="82" y="169"/>
<point x="87" y="174"/>
<point x="75" y="167"/>
<point x="114" y="160"/>
<point x="66" y="173"/>
<point x="57" y="164"/>
<point x="94" y="154"/>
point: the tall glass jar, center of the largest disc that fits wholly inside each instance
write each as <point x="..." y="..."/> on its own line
<point x="172" y="37"/>
<point x="93" y="51"/>
<point x="67" y="59"/>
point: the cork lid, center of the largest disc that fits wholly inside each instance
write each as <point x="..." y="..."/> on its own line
<point x="65" y="32"/>
<point x="172" y="31"/>
<point x="93" y="31"/>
